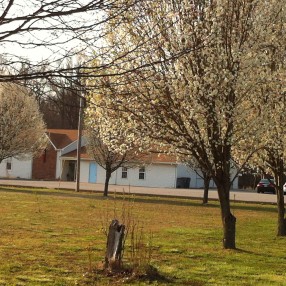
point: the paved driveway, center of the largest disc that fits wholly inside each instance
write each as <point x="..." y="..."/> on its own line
<point x="240" y="195"/>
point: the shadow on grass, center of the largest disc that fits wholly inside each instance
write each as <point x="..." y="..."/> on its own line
<point x="150" y="275"/>
<point x="141" y="198"/>
<point x="240" y="250"/>
<point x="257" y="254"/>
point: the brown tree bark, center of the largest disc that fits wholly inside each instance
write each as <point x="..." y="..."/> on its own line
<point x="281" y="227"/>
<point x="229" y="230"/>
<point x="228" y="219"/>
<point x="206" y="188"/>
<point x="106" y="184"/>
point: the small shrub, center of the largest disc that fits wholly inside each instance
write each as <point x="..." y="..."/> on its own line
<point x="136" y="245"/>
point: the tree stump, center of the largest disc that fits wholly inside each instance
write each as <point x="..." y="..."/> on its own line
<point x="114" y="247"/>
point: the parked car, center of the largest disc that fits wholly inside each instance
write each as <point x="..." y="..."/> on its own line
<point x="284" y="188"/>
<point x="266" y="186"/>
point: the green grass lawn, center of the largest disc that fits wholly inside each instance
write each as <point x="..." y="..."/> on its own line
<point x="52" y="237"/>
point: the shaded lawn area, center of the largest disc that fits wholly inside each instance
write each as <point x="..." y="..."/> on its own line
<point x="51" y="237"/>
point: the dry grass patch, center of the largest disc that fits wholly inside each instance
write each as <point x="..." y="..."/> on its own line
<point x="50" y="237"/>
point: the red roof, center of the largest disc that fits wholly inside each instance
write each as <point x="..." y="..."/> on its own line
<point x="147" y="158"/>
<point x="62" y="137"/>
<point x="158" y="158"/>
<point x="73" y="154"/>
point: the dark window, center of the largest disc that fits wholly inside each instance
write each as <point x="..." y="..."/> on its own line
<point x="142" y="173"/>
<point x="9" y="165"/>
<point x="124" y="173"/>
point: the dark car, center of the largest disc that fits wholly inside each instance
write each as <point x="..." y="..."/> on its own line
<point x="266" y="186"/>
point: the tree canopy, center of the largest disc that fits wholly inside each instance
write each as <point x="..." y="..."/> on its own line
<point x="204" y="70"/>
<point x="22" y="130"/>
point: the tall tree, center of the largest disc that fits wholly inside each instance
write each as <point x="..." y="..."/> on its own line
<point x="274" y="162"/>
<point x="271" y="104"/>
<point x="22" y="130"/>
<point x="200" y="97"/>
<point x="276" y="88"/>
<point x="106" y="156"/>
<point x="109" y="160"/>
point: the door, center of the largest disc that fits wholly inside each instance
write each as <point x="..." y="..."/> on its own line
<point x="92" y="172"/>
<point x="71" y="175"/>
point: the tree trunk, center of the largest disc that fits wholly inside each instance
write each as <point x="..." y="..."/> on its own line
<point x="206" y="188"/>
<point x="228" y="219"/>
<point x="279" y="181"/>
<point x="281" y="230"/>
<point x="107" y="178"/>
<point x="114" y="247"/>
<point x="229" y="224"/>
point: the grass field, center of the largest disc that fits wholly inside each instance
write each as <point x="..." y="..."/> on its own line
<point x="51" y="237"/>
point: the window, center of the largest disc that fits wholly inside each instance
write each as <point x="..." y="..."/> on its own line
<point x="124" y="173"/>
<point x="142" y="173"/>
<point x="9" y="164"/>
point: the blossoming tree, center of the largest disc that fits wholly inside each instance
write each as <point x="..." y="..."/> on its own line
<point x="198" y="85"/>
<point x="22" y="130"/>
<point x="106" y="156"/>
<point x="270" y="106"/>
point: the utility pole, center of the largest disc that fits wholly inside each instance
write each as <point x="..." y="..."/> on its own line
<point x="79" y="134"/>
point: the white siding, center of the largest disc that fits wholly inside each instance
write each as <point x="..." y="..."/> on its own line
<point x="73" y="146"/>
<point x="156" y="175"/>
<point x="84" y="171"/>
<point x="101" y="176"/>
<point x="100" y="173"/>
<point x="21" y="169"/>
<point x="235" y="184"/>
<point x="196" y="180"/>
<point x="185" y="172"/>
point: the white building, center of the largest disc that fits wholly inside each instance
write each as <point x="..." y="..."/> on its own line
<point x="58" y="162"/>
<point x="13" y="168"/>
